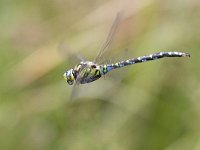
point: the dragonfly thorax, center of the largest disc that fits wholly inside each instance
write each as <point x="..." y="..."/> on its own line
<point x="84" y="72"/>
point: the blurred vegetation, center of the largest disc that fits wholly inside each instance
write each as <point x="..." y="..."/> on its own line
<point x="152" y="106"/>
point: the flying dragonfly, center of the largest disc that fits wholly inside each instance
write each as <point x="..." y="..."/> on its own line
<point x="89" y="71"/>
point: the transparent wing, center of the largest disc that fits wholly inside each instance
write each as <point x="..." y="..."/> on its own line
<point x="67" y="52"/>
<point x="78" y="81"/>
<point x="109" y="38"/>
<point x="103" y="49"/>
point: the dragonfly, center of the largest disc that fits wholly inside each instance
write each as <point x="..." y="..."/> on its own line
<point x="89" y="71"/>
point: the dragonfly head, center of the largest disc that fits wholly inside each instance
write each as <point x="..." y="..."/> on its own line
<point x="69" y="76"/>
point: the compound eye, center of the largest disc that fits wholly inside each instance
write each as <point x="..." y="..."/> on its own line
<point x="68" y="74"/>
<point x="65" y="76"/>
<point x="69" y="77"/>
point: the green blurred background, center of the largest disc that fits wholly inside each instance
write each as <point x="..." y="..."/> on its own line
<point x="149" y="106"/>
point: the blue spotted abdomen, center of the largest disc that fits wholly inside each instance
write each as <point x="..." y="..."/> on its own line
<point x="106" y="68"/>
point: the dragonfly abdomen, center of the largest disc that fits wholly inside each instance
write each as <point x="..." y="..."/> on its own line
<point x="107" y="68"/>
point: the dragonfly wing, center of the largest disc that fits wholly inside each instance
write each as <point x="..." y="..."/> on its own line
<point x="74" y="91"/>
<point x="109" y="38"/>
<point x="81" y="76"/>
<point x="67" y="52"/>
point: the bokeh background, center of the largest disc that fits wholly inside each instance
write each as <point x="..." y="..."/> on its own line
<point x="154" y="105"/>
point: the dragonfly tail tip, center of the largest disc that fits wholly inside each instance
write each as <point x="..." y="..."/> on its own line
<point x="186" y="55"/>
